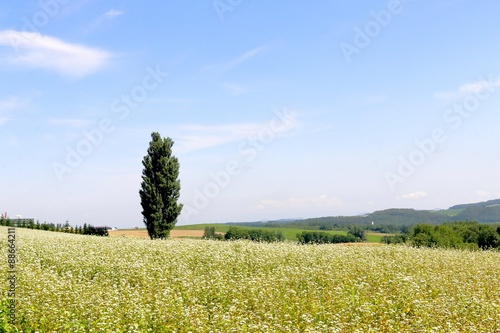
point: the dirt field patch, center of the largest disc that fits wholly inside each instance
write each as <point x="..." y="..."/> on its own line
<point x="380" y="234"/>
<point x="359" y="244"/>
<point x="143" y="233"/>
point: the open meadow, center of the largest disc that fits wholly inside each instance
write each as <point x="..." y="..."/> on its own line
<point x="76" y="283"/>
<point x="196" y="231"/>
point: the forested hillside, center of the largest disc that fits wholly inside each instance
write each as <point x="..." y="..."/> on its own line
<point x="385" y="220"/>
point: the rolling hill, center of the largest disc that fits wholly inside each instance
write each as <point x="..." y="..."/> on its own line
<point x="483" y="212"/>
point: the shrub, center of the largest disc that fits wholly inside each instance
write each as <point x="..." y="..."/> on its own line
<point x="211" y="234"/>
<point x="396" y="239"/>
<point x="461" y="235"/>
<point x="256" y="235"/>
<point x="357" y="232"/>
<point x="318" y="237"/>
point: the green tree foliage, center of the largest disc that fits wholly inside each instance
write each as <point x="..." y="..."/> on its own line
<point x="91" y="230"/>
<point x="160" y="188"/>
<point x="30" y="224"/>
<point x="256" y="235"/>
<point x="318" y="237"/>
<point x="462" y="235"/>
<point x="481" y="213"/>
<point x="67" y="227"/>
<point x="396" y="239"/>
<point x="357" y="232"/>
<point x="387" y="228"/>
<point x="210" y="233"/>
<point x="96" y="231"/>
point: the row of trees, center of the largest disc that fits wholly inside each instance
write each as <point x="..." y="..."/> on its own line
<point x="21" y="223"/>
<point x="319" y="237"/>
<point x="256" y="235"/>
<point x="86" y="229"/>
<point x="460" y="235"/>
<point x="354" y="234"/>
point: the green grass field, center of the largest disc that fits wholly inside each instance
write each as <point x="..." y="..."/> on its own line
<point x="76" y="283"/>
<point x="288" y="233"/>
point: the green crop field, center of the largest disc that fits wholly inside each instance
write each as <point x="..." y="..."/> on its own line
<point x="288" y="233"/>
<point x="75" y="283"/>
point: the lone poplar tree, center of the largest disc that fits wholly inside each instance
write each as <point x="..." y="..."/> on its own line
<point x="160" y="188"/>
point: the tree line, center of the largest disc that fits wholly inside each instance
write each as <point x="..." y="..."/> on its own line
<point x="459" y="235"/>
<point x="354" y="234"/>
<point x="256" y="235"/>
<point x="86" y="229"/>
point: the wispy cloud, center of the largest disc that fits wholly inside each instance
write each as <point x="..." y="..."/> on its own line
<point x="172" y="100"/>
<point x="34" y="50"/>
<point x="69" y="122"/>
<point x="466" y="89"/>
<point x="415" y="195"/>
<point x="196" y="137"/>
<point x="238" y="60"/>
<point x="10" y="103"/>
<point x="114" y="13"/>
<point x="301" y="202"/>
<point x="7" y="105"/>
<point x="236" y="89"/>
<point x="101" y="20"/>
<point x="483" y="193"/>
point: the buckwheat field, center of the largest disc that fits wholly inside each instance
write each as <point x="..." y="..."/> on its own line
<point x="73" y="283"/>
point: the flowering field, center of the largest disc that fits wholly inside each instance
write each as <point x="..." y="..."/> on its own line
<point x="74" y="283"/>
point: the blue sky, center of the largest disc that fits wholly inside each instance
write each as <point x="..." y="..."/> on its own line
<point x="278" y="110"/>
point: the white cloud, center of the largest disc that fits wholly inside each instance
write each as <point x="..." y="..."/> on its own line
<point x="101" y="20"/>
<point x="415" y="195"/>
<point x="114" y="13"/>
<point x="318" y="201"/>
<point x="9" y="104"/>
<point x="466" y="89"/>
<point x="238" y="60"/>
<point x="34" y="50"/>
<point x="244" y="57"/>
<point x="474" y="87"/>
<point x="483" y="193"/>
<point x="69" y="122"/>
<point x="196" y="137"/>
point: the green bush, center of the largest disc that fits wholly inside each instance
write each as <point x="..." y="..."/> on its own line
<point x="460" y="235"/>
<point x="396" y="239"/>
<point x="256" y="235"/>
<point x="318" y="237"/>
<point x="210" y="233"/>
<point x="357" y="232"/>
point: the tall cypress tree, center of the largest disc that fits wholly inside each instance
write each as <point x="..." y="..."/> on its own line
<point x="160" y="188"/>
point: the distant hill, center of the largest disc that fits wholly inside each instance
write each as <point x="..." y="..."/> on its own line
<point x="483" y="212"/>
<point x="478" y="204"/>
